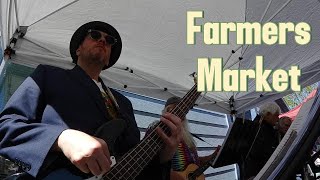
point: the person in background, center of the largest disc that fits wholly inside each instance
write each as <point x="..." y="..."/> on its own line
<point x="186" y="153"/>
<point x="283" y="125"/>
<point x="263" y="141"/>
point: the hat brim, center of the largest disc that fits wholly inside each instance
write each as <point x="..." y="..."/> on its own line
<point x="81" y="32"/>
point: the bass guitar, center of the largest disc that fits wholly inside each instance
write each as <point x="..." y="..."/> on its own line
<point x="133" y="162"/>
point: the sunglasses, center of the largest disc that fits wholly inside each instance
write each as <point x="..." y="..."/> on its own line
<point x="96" y="35"/>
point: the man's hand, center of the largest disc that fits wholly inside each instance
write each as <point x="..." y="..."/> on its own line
<point x="87" y="153"/>
<point x="171" y="142"/>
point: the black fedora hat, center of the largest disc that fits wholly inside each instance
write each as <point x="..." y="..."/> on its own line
<point x="82" y="31"/>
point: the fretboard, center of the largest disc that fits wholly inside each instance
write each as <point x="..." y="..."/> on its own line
<point x="133" y="162"/>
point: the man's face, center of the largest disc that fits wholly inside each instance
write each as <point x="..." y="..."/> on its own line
<point x="95" y="51"/>
<point x="284" y="125"/>
<point x="271" y="119"/>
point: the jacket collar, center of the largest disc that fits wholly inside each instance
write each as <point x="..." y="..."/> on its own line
<point x="80" y="76"/>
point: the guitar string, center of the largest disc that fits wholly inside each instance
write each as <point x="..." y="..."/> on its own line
<point x="179" y="111"/>
<point x="137" y="161"/>
<point x="183" y="112"/>
<point x="148" y="145"/>
<point x="153" y="136"/>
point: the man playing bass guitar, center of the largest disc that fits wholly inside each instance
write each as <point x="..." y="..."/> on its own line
<point x="51" y="121"/>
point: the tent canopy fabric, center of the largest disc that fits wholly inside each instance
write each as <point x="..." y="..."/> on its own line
<point x="293" y="112"/>
<point x="156" y="60"/>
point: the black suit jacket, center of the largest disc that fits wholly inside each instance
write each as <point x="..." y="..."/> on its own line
<point x="52" y="100"/>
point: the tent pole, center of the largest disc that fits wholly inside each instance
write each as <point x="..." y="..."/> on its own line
<point x="2" y="63"/>
<point x="9" y="20"/>
<point x="279" y="10"/>
<point x="233" y="64"/>
<point x="144" y="78"/>
<point x="232" y="52"/>
<point x="312" y="77"/>
<point x="249" y="102"/>
<point x="110" y="79"/>
<point x="265" y="11"/>
<point x="202" y="96"/>
<point x="46" y="48"/>
<point x="17" y="17"/>
<point x="54" y="12"/>
<point x="269" y="94"/>
<point x="270" y="17"/>
<point x="307" y="72"/>
<point x="216" y="103"/>
<point x="1" y="29"/>
<point x="133" y="72"/>
<point x="263" y="15"/>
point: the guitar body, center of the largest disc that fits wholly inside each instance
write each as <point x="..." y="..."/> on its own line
<point x="193" y="172"/>
<point x="187" y="173"/>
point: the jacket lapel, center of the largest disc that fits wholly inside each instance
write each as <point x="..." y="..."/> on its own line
<point x="80" y="76"/>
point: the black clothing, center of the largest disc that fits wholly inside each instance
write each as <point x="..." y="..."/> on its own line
<point x="263" y="145"/>
<point x="52" y="100"/>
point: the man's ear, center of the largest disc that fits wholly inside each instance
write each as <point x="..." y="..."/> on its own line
<point x="78" y="51"/>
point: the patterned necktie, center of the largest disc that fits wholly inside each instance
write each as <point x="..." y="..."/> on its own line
<point x="109" y="105"/>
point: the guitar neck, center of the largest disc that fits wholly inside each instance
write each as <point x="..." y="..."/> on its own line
<point x="186" y="103"/>
<point x="200" y="171"/>
<point x="132" y="163"/>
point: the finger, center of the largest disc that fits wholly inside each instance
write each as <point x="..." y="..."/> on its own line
<point x="93" y="166"/>
<point x="82" y="166"/>
<point x="163" y="136"/>
<point x="107" y="155"/>
<point x="105" y="149"/>
<point x="173" y="128"/>
<point x="173" y="118"/>
<point x="104" y="163"/>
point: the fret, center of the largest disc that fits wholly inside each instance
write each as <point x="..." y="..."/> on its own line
<point x="179" y="111"/>
<point x="128" y="170"/>
<point x="110" y="175"/>
<point x="139" y="159"/>
<point x="138" y="168"/>
<point x="150" y="149"/>
<point x="135" y="169"/>
<point x="120" y="176"/>
<point x="124" y="171"/>
<point x="140" y="162"/>
<point x="132" y="163"/>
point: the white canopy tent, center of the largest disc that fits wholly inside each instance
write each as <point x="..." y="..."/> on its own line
<point x="156" y="60"/>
